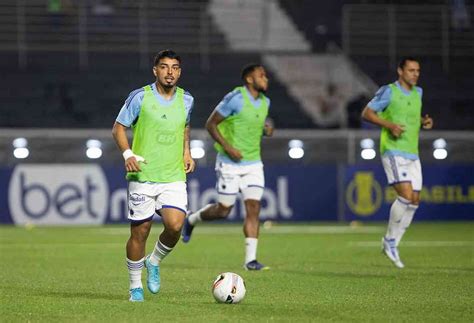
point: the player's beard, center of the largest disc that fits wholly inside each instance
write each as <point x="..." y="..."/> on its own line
<point x="261" y="89"/>
<point x="167" y="86"/>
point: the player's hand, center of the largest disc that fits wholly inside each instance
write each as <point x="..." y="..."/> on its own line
<point x="132" y="161"/>
<point x="132" y="164"/>
<point x="233" y="153"/>
<point x="396" y="130"/>
<point x="189" y="163"/>
<point x="427" y="122"/>
<point x="268" y="128"/>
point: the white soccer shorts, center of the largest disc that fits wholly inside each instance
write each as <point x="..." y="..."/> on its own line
<point x="399" y="169"/>
<point x="146" y="199"/>
<point x="232" y="179"/>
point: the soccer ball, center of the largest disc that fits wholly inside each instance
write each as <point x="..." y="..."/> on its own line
<point x="228" y="288"/>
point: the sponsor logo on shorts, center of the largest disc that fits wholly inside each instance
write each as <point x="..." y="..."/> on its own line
<point x="137" y="199"/>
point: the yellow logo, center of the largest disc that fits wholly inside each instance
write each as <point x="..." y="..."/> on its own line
<point x="364" y="194"/>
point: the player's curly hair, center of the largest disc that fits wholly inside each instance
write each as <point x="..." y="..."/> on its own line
<point x="249" y="68"/>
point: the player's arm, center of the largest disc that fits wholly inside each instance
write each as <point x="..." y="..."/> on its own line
<point x="371" y="116"/>
<point x="119" y="132"/>
<point x="189" y="163"/>
<point x="127" y="116"/>
<point x="380" y="102"/>
<point x="211" y="125"/>
<point x="269" y="125"/>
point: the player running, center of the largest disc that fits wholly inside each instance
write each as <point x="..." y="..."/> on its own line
<point x="396" y="108"/>
<point x="157" y="164"/>
<point x="237" y="125"/>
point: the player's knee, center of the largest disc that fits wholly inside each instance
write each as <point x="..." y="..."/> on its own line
<point x="223" y="210"/>
<point x="140" y="231"/>
<point x="254" y="205"/>
<point x="415" y="200"/>
<point x="139" y="235"/>
<point x="406" y="196"/>
<point x="409" y="199"/>
<point x="174" y="228"/>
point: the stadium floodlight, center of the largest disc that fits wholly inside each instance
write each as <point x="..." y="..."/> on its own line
<point x="197" y="149"/>
<point x="368" y="152"/>
<point x="20" y="142"/>
<point x="295" y="149"/>
<point x="367" y="143"/>
<point x="94" y="149"/>
<point x="440" y="143"/>
<point x="439" y="149"/>
<point x="21" y="153"/>
<point x="440" y="153"/>
<point x="21" y="148"/>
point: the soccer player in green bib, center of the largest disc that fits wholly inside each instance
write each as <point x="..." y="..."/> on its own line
<point x="237" y="125"/>
<point x="396" y="108"/>
<point x="156" y="167"/>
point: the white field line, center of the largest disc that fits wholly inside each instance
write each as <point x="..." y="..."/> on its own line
<point x="377" y="244"/>
<point x="275" y="229"/>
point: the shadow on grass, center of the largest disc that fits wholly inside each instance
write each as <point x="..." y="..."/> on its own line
<point x="78" y="294"/>
<point x="117" y="297"/>
<point x="332" y="274"/>
<point x="442" y="269"/>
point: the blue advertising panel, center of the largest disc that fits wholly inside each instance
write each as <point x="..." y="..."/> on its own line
<point x="447" y="193"/>
<point x="68" y="194"/>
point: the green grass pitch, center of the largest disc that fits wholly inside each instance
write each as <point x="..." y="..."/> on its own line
<point x="319" y="272"/>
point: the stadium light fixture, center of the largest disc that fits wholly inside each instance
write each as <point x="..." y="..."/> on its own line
<point x="94" y="149"/>
<point x="440" y="153"/>
<point x="20" y="142"/>
<point x="197" y="149"/>
<point x="440" y="149"/>
<point x="295" y="149"/>
<point x="368" y="152"/>
<point x="440" y="143"/>
<point x="20" y="146"/>
<point x="21" y="153"/>
<point x="367" y="143"/>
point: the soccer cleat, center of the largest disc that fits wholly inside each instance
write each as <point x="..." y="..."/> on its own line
<point x="136" y="295"/>
<point x="152" y="277"/>
<point x="255" y="265"/>
<point x="389" y="248"/>
<point x="399" y="264"/>
<point x="187" y="230"/>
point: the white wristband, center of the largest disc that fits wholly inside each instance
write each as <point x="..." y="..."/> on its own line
<point x="127" y="154"/>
